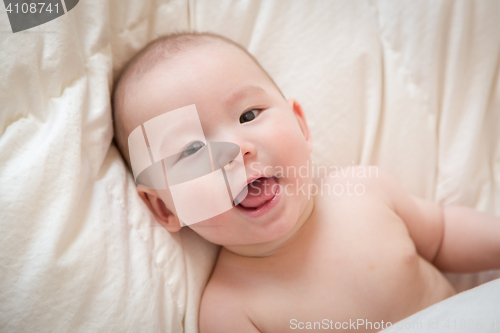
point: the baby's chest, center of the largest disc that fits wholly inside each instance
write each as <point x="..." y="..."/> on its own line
<point x="342" y="279"/>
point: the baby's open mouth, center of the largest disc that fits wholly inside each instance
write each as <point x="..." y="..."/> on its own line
<point x="260" y="191"/>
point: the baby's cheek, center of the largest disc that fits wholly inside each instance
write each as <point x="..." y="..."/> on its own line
<point x="287" y="135"/>
<point x="285" y="140"/>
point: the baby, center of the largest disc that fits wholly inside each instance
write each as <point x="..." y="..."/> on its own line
<point x="347" y="251"/>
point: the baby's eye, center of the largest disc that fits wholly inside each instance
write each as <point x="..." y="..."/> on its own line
<point x="249" y="115"/>
<point x="192" y="148"/>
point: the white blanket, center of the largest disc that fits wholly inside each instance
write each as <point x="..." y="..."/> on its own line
<point x="410" y="86"/>
<point x="475" y="310"/>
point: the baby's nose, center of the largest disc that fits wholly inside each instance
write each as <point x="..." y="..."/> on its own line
<point x="223" y="153"/>
<point x="248" y="150"/>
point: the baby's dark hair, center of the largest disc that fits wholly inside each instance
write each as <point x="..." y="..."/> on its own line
<point x="159" y="49"/>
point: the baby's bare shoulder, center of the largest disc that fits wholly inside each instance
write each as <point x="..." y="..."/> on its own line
<point x="221" y="308"/>
<point x="354" y="182"/>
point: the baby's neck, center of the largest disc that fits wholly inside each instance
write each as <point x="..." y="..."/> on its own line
<point x="278" y="245"/>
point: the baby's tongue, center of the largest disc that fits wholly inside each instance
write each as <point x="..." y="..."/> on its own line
<point x="259" y="191"/>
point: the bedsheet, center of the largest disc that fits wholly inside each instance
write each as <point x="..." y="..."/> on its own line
<point x="474" y="310"/>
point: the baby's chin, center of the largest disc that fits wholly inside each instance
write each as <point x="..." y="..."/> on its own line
<point x="254" y="224"/>
<point x="234" y="236"/>
<point x="246" y="237"/>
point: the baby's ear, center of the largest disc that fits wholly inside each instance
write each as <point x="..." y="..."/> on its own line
<point x="301" y="118"/>
<point x="156" y="205"/>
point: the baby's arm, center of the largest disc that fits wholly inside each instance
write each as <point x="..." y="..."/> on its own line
<point x="455" y="239"/>
<point x="471" y="241"/>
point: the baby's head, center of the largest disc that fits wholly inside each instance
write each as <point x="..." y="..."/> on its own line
<point x="237" y="102"/>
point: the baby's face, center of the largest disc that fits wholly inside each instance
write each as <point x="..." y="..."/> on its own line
<point x="238" y="103"/>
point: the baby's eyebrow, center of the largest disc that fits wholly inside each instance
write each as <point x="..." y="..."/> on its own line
<point x="241" y="92"/>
